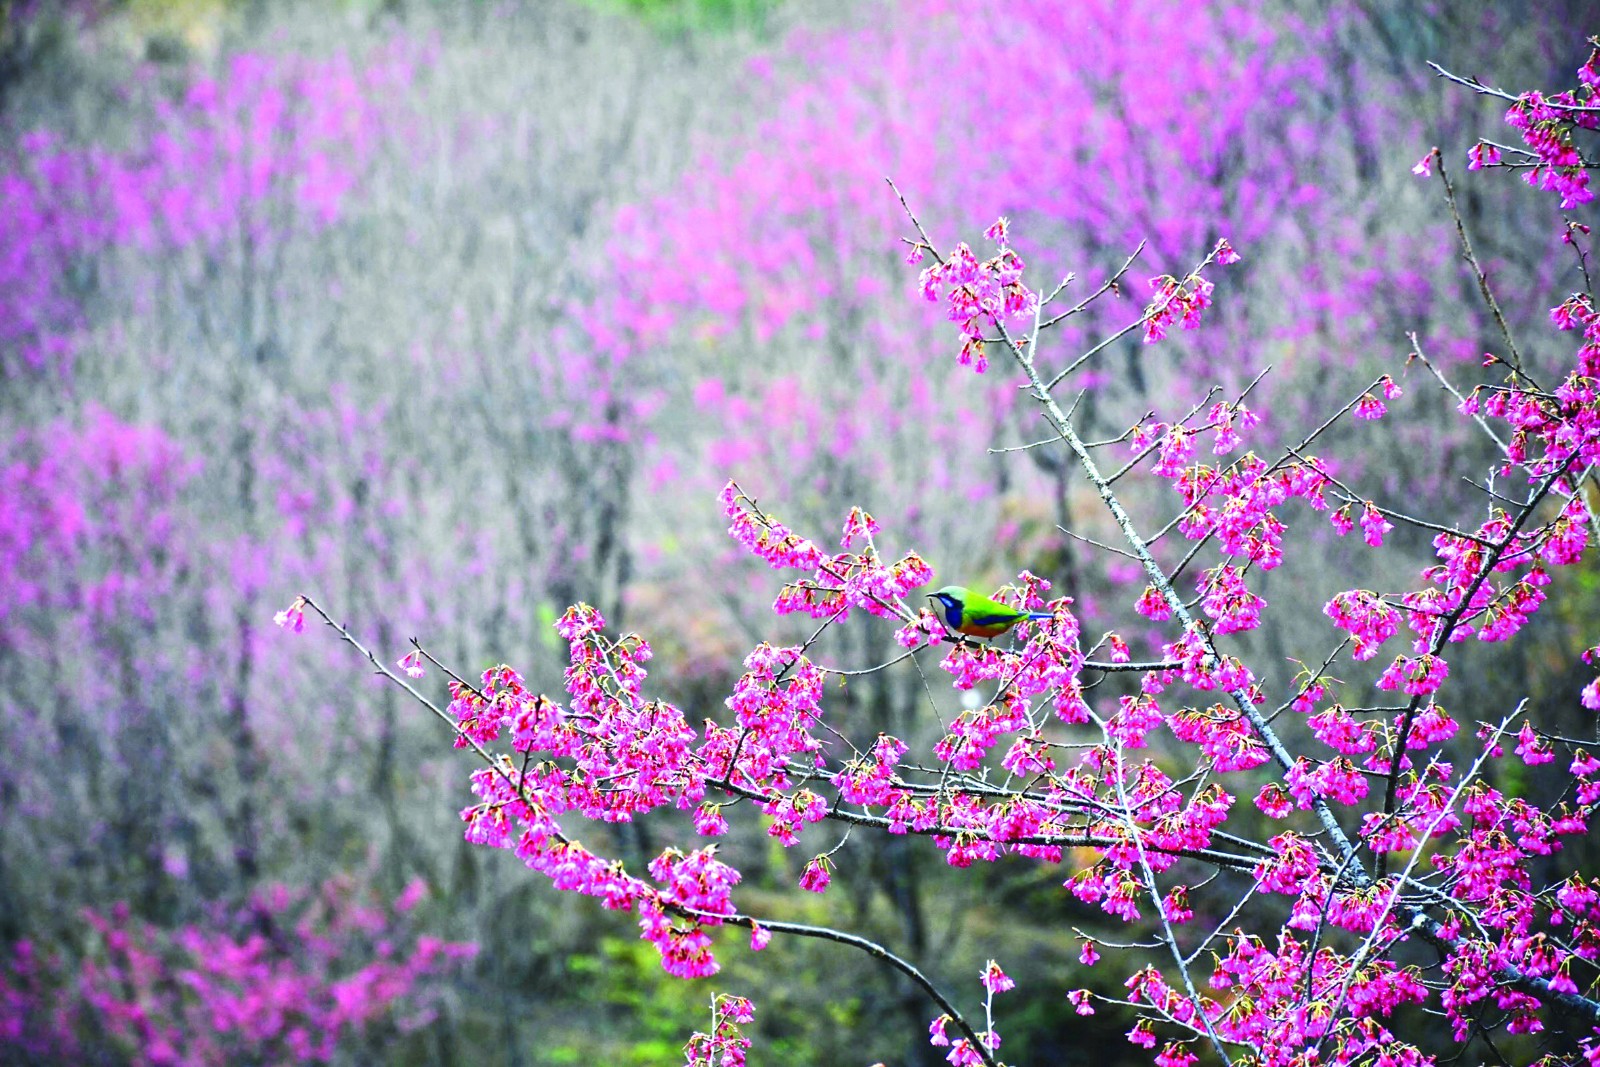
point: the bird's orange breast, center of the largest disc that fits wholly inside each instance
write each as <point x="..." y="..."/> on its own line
<point x="991" y="629"/>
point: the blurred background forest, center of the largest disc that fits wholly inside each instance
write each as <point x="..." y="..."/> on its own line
<point x="451" y="314"/>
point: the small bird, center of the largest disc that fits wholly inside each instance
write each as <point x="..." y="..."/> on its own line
<point x="966" y="612"/>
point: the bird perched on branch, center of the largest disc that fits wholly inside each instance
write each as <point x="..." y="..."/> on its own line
<point x="966" y="612"/>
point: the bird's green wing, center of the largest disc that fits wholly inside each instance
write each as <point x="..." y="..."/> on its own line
<point x="981" y="611"/>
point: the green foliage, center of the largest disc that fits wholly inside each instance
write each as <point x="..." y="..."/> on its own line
<point x="678" y="16"/>
<point x="656" y="1012"/>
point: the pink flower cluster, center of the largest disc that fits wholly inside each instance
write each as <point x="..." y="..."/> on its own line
<point x="1176" y="302"/>
<point x="1183" y="302"/>
<point x="1298" y="999"/>
<point x="964" y="1052"/>
<point x="1547" y="124"/>
<point x="610" y="755"/>
<point x="1235" y="503"/>
<point x="725" y="1045"/>
<point x="1364" y="616"/>
<point x="1227" y="601"/>
<point x="978" y="295"/>
<point x="1554" y="433"/>
<point x="1370" y="407"/>
<point x="1553" y="436"/>
<point x="839" y="582"/>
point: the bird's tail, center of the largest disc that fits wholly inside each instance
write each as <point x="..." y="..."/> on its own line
<point x="1039" y="616"/>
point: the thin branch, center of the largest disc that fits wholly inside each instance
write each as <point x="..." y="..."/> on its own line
<point x="1150" y="312"/>
<point x="1477" y="268"/>
<point x="1483" y="424"/>
<point x="871" y="948"/>
<point x="1105" y="287"/>
<point x="1488" y="90"/>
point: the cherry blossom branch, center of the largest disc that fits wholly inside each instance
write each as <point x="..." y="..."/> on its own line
<point x="381" y="668"/>
<point x="835" y="813"/>
<point x="1169" y="936"/>
<point x="1158" y="577"/>
<point x="1156" y="308"/>
<point x="1488" y="90"/>
<point x="1461" y="402"/>
<point x="1430" y="929"/>
<point x="871" y="948"/>
<point x="1477" y="417"/>
<point x="1446" y="626"/>
<point x="1108" y="285"/>
<point x="1416" y="856"/>
<point x="1477" y="268"/>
